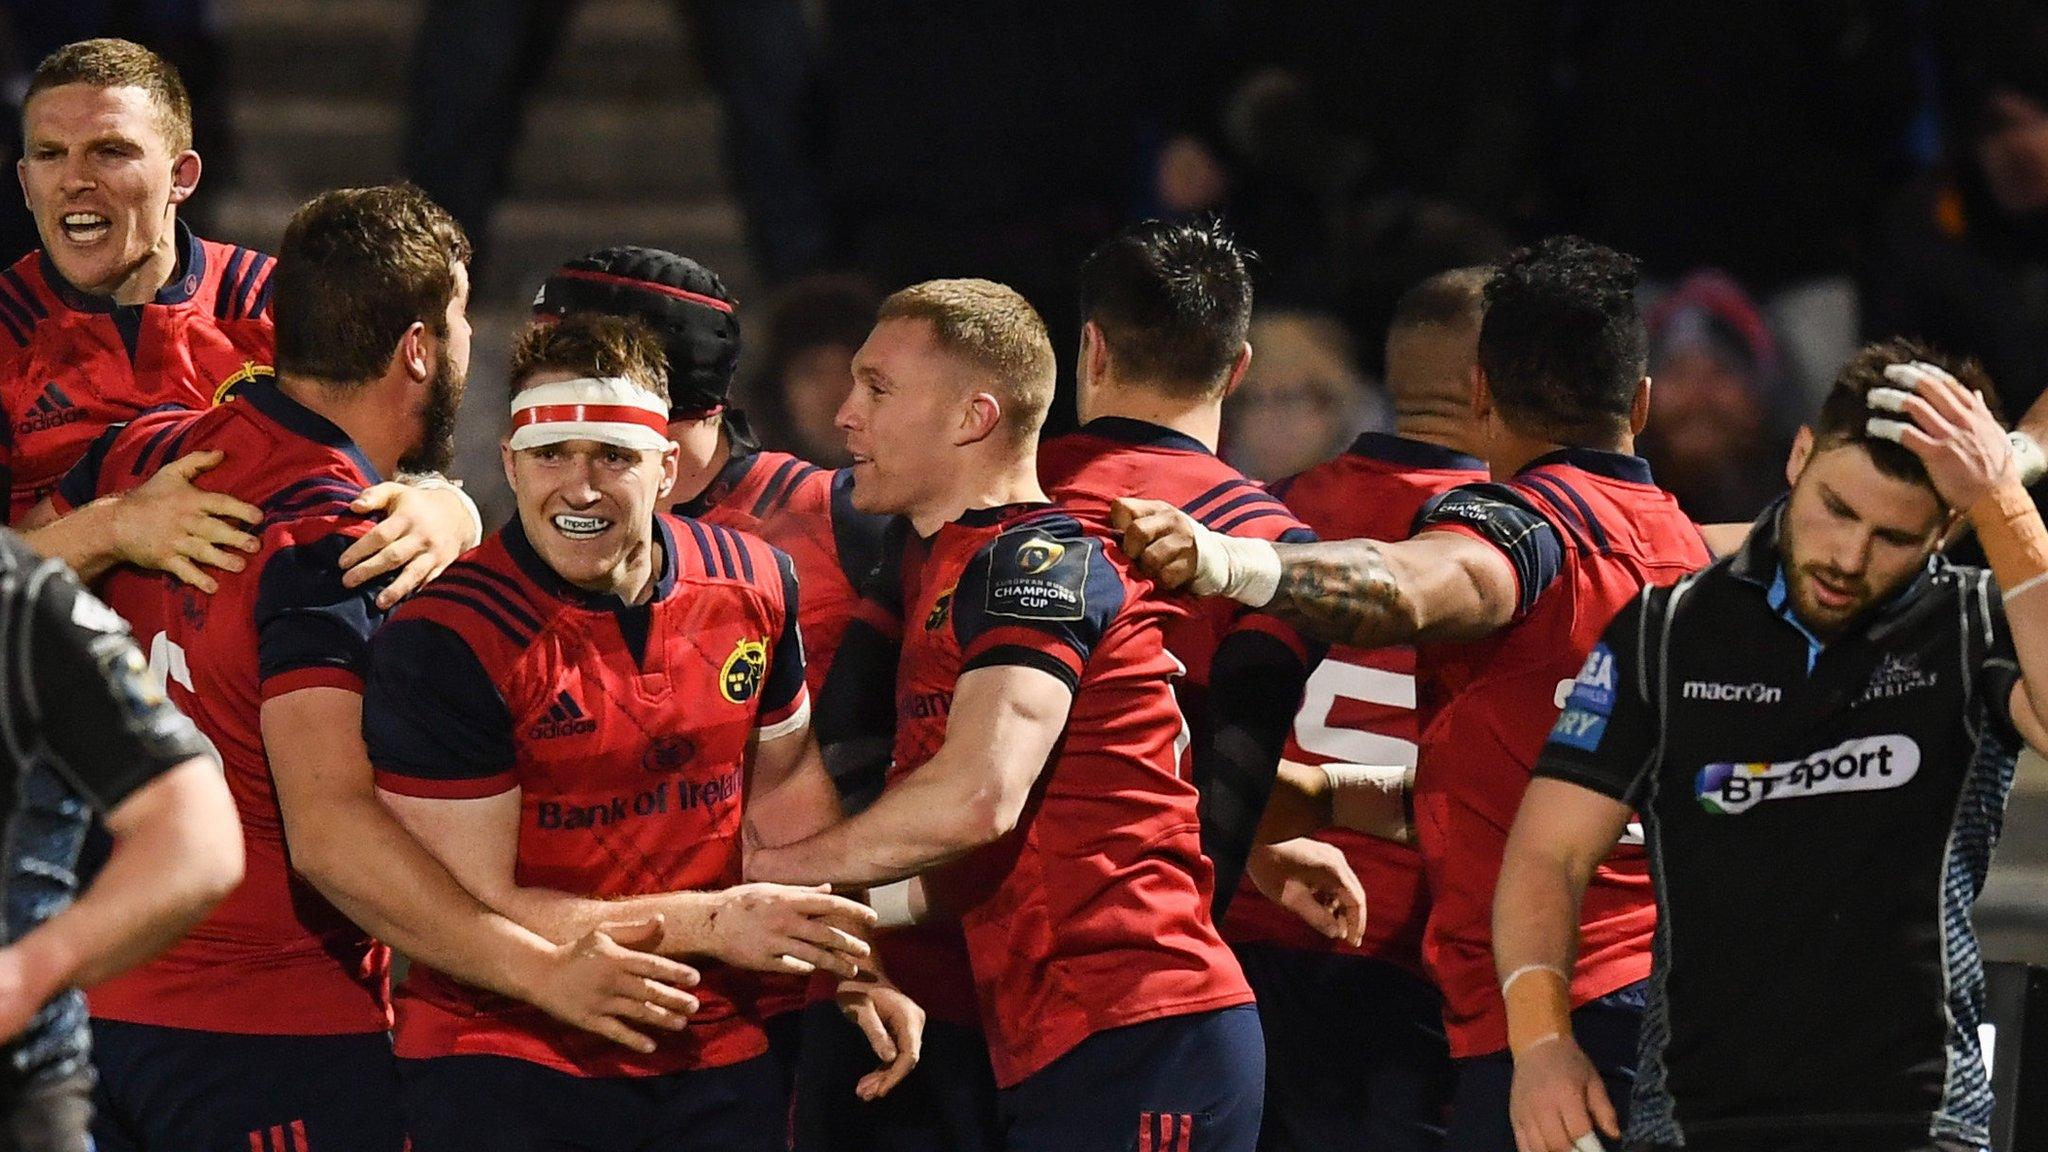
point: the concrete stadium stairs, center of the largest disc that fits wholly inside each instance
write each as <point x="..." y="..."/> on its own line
<point x="621" y="147"/>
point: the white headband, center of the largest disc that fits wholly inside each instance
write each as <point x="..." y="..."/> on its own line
<point x="612" y="410"/>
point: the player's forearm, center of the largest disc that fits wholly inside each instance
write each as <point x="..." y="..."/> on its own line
<point x="370" y="867"/>
<point x="2015" y="541"/>
<point x="688" y="918"/>
<point x="801" y="804"/>
<point x="84" y="539"/>
<point x="924" y="820"/>
<point x="1535" y="941"/>
<point x="164" y="874"/>
<point x="1344" y="592"/>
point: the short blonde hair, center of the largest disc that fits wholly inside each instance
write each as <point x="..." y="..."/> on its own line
<point x="591" y="344"/>
<point x="992" y="327"/>
<point x="111" y="63"/>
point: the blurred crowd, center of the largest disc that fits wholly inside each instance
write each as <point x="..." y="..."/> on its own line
<point x="1796" y="176"/>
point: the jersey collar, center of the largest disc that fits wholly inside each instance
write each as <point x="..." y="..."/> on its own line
<point x="1406" y="453"/>
<point x="1000" y="514"/>
<point x="266" y="397"/>
<point x="1600" y="462"/>
<point x="1143" y="434"/>
<point x="184" y="282"/>
<point x="550" y="581"/>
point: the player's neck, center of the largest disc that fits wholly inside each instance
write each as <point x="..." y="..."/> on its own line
<point x="635" y="579"/>
<point x="1013" y="481"/>
<point x="1199" y="419"/>
<point x="363" y="415"/>
<point x="1446" y="426"/>
<point x="699" y="465"/>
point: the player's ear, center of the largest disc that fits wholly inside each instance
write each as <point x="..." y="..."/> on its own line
<point x="1639" y="409"/>
<point x="184" y="176"/>
<point x="412" y="357"/>
<point x="1094" y="350"/>
<point x="1802" y="451"/>
<point x="1482" y="395"/>
<point x="1237" y="369"/>
<point x="671" y="462"/>
<point x="21" y="177"/>
<point x="979" y="418"/>
<point x="505" y="456"/>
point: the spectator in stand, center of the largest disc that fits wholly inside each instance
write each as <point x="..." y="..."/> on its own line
<point x="1303" y="398"/>
<point x="1960" y="257"/>
<point x="1714" y="434"/>
<point x="814" y="326"/>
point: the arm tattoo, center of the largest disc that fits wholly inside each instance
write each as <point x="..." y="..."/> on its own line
<point x="1342" y="592"/>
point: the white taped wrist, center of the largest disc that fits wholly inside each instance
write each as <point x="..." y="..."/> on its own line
<point x="2027" y="453"/>
<point x="430" y="481"/>
<point x="1246" y="570"/>
<point x="898" y="905"/>
<point x="1360" y="794"/>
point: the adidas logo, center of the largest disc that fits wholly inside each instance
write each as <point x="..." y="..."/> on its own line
<point x="52" y="409"/>
<point x="564" y="717"/>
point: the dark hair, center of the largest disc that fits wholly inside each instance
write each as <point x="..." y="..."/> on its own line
<point x="591" y="344"/>
<point x="1563" y="344"/>
<point x="110" y="63"/>
<point x="681" y="301"/>
<point x="1846" y="410"/>
<point x="358" y="266"/>
<point x="1173" y="302"/>
<point x="1448" y="299"/>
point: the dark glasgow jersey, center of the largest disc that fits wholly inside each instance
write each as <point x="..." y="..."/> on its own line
<point x="1820" y="820"/>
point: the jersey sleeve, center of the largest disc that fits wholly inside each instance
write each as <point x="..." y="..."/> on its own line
<point x="101" y="713"/>
<point x="434" y="722"/>
<point x="1041" y="595"/>
<point x="311" y="631"/>
<point x="785" y="703"/>
<point x="1605" y="737"/>
<point x="81" y="485"/>
<point x="1498" y="515"/>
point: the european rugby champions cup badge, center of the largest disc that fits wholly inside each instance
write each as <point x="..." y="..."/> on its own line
<point x="1035" y="577"/>
<point x="740" y="677"/>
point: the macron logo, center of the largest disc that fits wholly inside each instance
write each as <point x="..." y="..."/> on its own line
<point x="565" y="717"/>
<point x="1732" y="693"/>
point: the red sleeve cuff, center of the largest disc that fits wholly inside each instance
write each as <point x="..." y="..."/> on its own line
<point x="425" y="789"/>
<point x="317" y="676"/>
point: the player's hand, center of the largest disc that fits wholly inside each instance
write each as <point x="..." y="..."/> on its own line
<point x="1948" y="427"/>
<point x="784" y="928"/>
<point x="611" y="983"/>
<point x="1314" y="881"/>
<point x="423" y="531"/>
<point x="1162" y="539"/>
<point x="894" y="1026"/>
<point x="1557" y="1099"/>
<point x="170" y="525"/>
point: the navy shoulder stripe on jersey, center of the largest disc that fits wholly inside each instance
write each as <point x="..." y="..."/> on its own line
<point x="777" y="487"/>
<point x="1572" y="504"/>
<point x="480" y="607"/>
<point x="704" y="549"/>
<point x="81" y="485"/>
<point x="259" y="275"/>
<point x="727" y="566"/>
<point x="740" y="549"/>
<point x="1212" y="494"/>
<point x="261" y="303"/>
<point x="506" y="585"/>
<point x="146" y="461"/>
<point x="24" y="294"/>
<point x="230" y="283"/>
<point x="473" y="579"/>
<point x="14" y="316"/>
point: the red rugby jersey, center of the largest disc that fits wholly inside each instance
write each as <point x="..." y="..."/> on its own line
<point x="1360" y="704"/>
<point x="1491" y="704"/>
<point x="71" y="364"/>
<point x="625" y="728"/>
<point x="1094" y="912"/>
<point x="807" y="512"/>
<point x="1112" y="456"/>
<point x="275" y="957"/>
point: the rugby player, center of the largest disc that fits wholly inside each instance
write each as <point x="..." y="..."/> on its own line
<point x="1355" y="1046"/>
<point x="1504" y="587"/>
<point x="1036" y="775"/>
<point x="267" y="1026"/>
<point x="578" y="719"/>
<point x="1819" y="733"/>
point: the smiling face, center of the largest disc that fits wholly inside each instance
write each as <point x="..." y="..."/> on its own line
<point x="901" y="420"/>
<point x="103" y="182"/>
<point x="1853" y="536"/>
<point x="588" y="507"/>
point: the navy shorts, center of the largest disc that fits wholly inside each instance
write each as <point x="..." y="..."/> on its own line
<point x="1606" y="1028"/>
<point x="946" y="1104"/>
<point x="178" y="1090"/>
<point x="1181" y="1084"/>
<point x="1355" y="1053"/>
<point x="500" y="1104"/>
